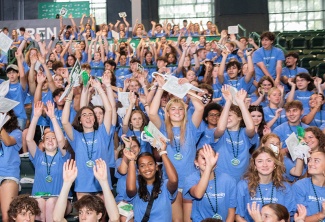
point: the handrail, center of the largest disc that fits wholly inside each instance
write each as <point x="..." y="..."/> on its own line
<point x="243" y="29"/>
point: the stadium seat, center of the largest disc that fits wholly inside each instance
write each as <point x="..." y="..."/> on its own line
<point x="317" y="42"/>
<point x="320" y="70"/>
<point x="298" y="43"/>
<point x="312" y="65"/>
<point x="305" y="62"/>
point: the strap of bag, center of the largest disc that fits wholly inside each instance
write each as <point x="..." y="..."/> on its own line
<point x="146" y="216"/>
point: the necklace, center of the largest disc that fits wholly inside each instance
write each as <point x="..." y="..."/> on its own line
<point x="317" y="199"/>
<point x="267" y="59"/>
<point x="216" y="215"/>
<point x="178" y="155"/>
<point x="90" y="163"/>
<point x="259" y="189"/>
<point x="278" y="119"/>
<point x="49" y="178"/>
<point x="234" y="161"/>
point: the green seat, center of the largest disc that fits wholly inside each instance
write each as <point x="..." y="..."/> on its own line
<point x="320" y="56"/>
<point x="304" y="62"/>
<point x="317" y="42"/>
<point x="312" y="65"/>
<point x="298" y="43"/>
<point x="320" y="70"/>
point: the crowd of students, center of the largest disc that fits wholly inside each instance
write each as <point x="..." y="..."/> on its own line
<point x="225" y="159"/>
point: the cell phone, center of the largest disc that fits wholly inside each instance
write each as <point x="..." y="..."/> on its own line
<point x="249" y="49"/>
<point x="140" y="68"/>
<point x="126" y="139"/>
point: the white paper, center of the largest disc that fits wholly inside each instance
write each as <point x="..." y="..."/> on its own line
<point x="233" y="92"/>
<point x="155" y="140"/>
<point x="123" y="97"/>
<point x="176" y="89"/>
<point x="292" y="142"/>
<point x="122" y="14"/>
<point x="140" y="68"/>
<point x="74" y="79"/>
<point x="128" y="214"/>
<point x="96" y="100"/>
<point x="4" y="88"/>
<point x="188" y="40"/>
<point x="115" y="35"/>
<point x="37" y="65"/>
<point x="3" y="119"/>
<point x="5" y="42"/>
<point x="7" y="104"/>
<point x="233" y="29"/>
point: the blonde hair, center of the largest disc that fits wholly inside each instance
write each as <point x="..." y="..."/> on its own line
<point x="169" y="125"/>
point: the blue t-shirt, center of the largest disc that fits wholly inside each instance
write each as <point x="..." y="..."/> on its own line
<point x="161" y="208"/>
<point x="305" y="195"/>
<point x="97" y="68"/>
<point x="269" y="114"/>
<point x="302" y="96"/>
<point x="280" y="196"/>
<point x="225" y="195"/>
<point x="182" y="155"/>
<point x="17" y="93"/>
<point x="291" y="73"/>
<point x="144" y="146"/>
<point x="319" y="118"/>
<point x="90" y="148"/>
<point x="55" y="167"/>
<point x="10" y="161"/>
<point x="269" y="58"/>
<point x="227" y="145"/>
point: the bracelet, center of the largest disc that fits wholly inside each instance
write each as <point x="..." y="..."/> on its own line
<point x="131" y="160"/>
<point x="68" y="100"/>
<point x="162" y="152"/>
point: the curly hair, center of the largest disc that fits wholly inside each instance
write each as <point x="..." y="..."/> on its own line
<point x="12" y="123"/>
<point x="91" y="202"/>
<point x="308" y="78"/>
<point x="143" y="191"/>
<point x="238" y="112"/>
<point x="76" y="122"/>
<point x="319" y="135"/>
<point x="20" y="203"/>
<point x="252" y="176"/>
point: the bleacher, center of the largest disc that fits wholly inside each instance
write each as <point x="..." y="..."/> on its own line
<point x="310" y="45"/>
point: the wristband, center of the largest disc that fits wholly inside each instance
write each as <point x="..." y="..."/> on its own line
<point x="162" y="152"/>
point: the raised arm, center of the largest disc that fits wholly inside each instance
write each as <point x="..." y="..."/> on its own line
<point x="155" y="104"/>
<point x="31" y="144"/>
<point x="198" y="190"/>
<point x="198" y="111"/>
<point x="250" y="66"/>
<point x="240" y="45"/>
<point x="31" y="75"/>
<point x="223" y="120"/>
<point x="102" y="51"/>
<point x="70" y="173"/>
<point x="131" y="188"/>
<point x="240" y="98"/>
<point x="222" y="67"/>
<point x="66" y="115"/>
<point x="126" y="119"/>
<point x="47" y="73"/>
<point x="107" y="106"/>
<point x="111" y="99"/>
<point x="57" y="129"/>
<point x="291" y="94"/>
<point x="100" y="172"/>
<point x="22" y="77"/>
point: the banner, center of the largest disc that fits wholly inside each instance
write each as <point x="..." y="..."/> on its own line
<point x="49" y="10"/>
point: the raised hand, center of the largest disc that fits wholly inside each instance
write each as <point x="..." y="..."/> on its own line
<point x="50" y="109"/>
<point x="160" y="80"/>
<point x="291" y="83"/>
<point x="241" y="95"/>
<point x="164" y="144"/>
<point x="132" y="99"/>
<point x="40" y="78"/>
<point x="70" y="171"/>
<point x="95" y="83"/>
<point x="278" y="112"/>
<point x="226" y="93"/>
<point x="232" y="37"/>
<point x="129" y="154"/>
<point x="254" y="211"/>
<point x="41" y="59"/>
<point x="100" y="170"/>
<point x="106" y="80"/>
<point x="211" y="158"/>
<point x="33" y="59"/>
<point x="38" y="108"/>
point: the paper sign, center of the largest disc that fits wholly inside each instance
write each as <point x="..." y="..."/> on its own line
<point x="4" y="88"/>
<point x="152" y="135"/>
<point x="7" y="104"/>
<point x="115" y="35"/>
<point x="122" y="14"/>
<point x="126" y="210"/>
<point x="3" y="119"/>
<point x="188" y="40"/>
<point x="176" y="89"/>
<point x="74" y="79"/>
<point x="233" y="29"/>
<point x="123" y="98"/>
<point x="5" y="42"/>
<point x="296" y="149"/>
<point x="140" y="68"/>
<point x="233" y="91"/>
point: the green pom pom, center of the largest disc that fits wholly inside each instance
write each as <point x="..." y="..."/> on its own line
<point x="85" y="77"/>
<point x="147" y="132"/>
<point x="300" y="132"/>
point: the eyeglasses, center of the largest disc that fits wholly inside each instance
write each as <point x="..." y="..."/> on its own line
<point x="214" y="115"/>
